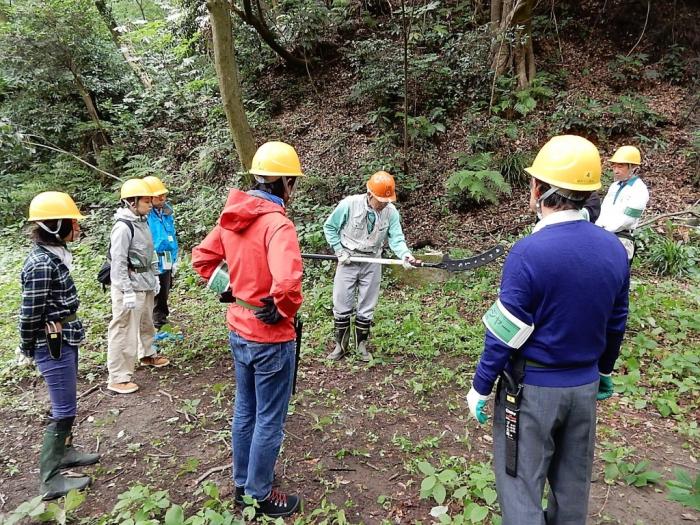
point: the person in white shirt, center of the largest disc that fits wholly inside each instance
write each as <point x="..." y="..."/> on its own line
<point x="626" y="199"/>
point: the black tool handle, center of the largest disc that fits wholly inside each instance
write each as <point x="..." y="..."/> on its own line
<point x="298" y="328"/>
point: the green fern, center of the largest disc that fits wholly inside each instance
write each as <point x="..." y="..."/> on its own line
<point x="476" y="186"/>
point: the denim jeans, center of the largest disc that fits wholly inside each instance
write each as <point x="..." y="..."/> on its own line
<point x="61" y="376"/>
<point x="264" y="374"/>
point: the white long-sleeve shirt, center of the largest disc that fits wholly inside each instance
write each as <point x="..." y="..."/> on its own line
<point x="623" y="205"/>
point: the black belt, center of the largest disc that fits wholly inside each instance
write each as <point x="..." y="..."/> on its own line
<point x="625" y="234"/>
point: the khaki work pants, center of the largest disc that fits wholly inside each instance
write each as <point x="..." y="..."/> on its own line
<point x="130" y="335"/>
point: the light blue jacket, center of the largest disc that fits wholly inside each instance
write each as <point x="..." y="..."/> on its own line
<point x="340" y="219"/>
<point x="162" y="225"/>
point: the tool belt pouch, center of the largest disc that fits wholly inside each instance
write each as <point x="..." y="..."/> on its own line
<point x="54" y="339"/>
<point x="512" y="415"/>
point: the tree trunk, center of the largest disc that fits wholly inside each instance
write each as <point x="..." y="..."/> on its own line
<point x="111" y="23"/>
<point x="257" y="21"/>
<point x="140" y="4"/>
<point x="229" y="85"/>
<point x="98" y="140"/>
<point x="511" y="48"/>
<point x="405" y="32"/>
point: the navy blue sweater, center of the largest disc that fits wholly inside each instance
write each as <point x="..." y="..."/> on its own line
<point x="571" y="281"/>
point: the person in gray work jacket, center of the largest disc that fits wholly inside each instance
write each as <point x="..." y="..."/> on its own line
<point x="134" y="277"/>
<point x="359" y="226"/>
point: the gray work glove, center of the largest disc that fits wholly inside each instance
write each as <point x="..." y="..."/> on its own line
<point x="409" y="262"/>
<point x="22" y="359"/>
<point x="344" y="257"/>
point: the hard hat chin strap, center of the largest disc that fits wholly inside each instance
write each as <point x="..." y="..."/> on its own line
<point x="47" y="229"/>
<point x="567" y="194"/>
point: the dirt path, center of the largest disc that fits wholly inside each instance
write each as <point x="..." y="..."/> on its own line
<point x="351" y="437"/>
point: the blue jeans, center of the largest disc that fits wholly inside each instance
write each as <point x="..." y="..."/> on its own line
<point x="264" y="374"/>
<point x="61" y="376"/>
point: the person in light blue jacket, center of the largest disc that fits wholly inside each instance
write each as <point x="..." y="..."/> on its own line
<point x="359" y="227"/>
<point x="162" y="225"/>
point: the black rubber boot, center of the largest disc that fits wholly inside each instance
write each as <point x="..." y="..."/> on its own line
<point x="53" y="483"/>
<point x="73" y="458"/>
<point x="362" y="327"/>
<point x="342" y="338"/>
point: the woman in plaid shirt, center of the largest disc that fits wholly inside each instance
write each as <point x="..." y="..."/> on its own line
<point x="50" y="333"/>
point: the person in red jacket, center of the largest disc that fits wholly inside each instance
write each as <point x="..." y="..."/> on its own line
<point x="259" y="245"/>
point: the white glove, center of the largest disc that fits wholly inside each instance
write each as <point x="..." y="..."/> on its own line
<point x="129" y="300"/>
<point x="476" y="404"/>
<point x="344" y="257"/>
<point x="407" y="262"/>
<point x="175" y="267"/>
<point x="22" y="360"/>
<point x="156" y="290"/>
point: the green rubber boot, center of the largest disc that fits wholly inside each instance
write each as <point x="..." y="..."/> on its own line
<point x="362" y="327"/>
<point x="342" y="338"/>
<point x="73" y="458"/>
<point x="53" y="483"/>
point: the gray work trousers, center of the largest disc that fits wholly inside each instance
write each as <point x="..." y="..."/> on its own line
<point x="556" y="443"/>
<point x="363" y="278"/>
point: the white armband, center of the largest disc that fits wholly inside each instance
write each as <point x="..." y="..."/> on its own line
<point x="505" y="326"/>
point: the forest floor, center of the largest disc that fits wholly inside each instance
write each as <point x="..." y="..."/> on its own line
<point x="356" y="433"/>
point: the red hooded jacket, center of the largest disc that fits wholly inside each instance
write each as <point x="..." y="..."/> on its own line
<point x="260" y="246"/>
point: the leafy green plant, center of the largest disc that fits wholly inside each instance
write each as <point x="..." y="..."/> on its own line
<point x="473" y="488"/>
<point x="635" y="474"/>
<point x="523" y="101"/>
<point x="436" y="483"/>
<point x="140" y="504"/>
<point x="625" y="69"/>
<point x="673" y="65"/>
<point x="512" y="167"/>
<point x="476" y="183"/>
<point x="670" y="257"/>
<point x="36" y="509"/>
<point x="684" y="489"/>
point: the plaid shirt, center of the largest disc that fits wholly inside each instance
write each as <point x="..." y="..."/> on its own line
<point x="48" y="294"/>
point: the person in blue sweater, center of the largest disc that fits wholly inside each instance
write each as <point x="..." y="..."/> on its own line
<point x="556" y="329"/>
<point x="162" y="226"/>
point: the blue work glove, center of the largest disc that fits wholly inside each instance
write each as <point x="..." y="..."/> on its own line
<point x="605" y="387"/>
<point x="476" y="403"/>
<point x="269" y="314"/>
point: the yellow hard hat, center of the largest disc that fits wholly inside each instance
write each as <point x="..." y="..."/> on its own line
<point x="136" y="188"/>
<point x="627" y="155"/>
<point x="156" y="185"/>
<point x="568" y="161"/>
<point x="53" y="205"/>
<point x="276" y="159"/>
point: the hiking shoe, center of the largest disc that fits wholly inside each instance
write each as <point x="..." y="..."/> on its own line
<point x="238" y="498"/>
<point x="240" y="491"/>
<point x="278" y="504"/>
<point x="156" y="361"/>
<point x="123" y="388"/>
